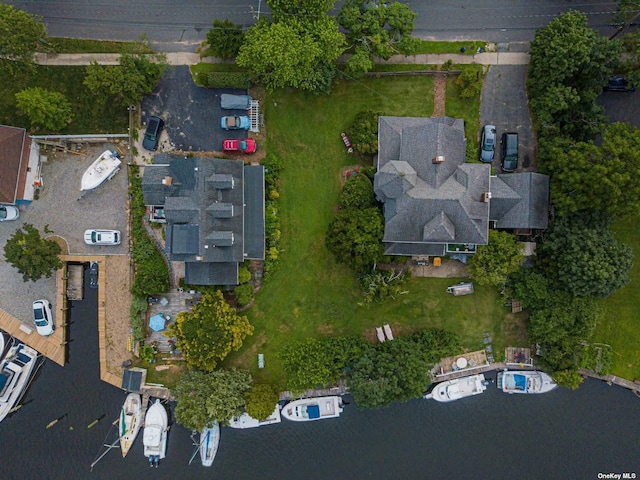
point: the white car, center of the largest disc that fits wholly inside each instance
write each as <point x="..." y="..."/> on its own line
<point x="8" y="212"/>
<point x="102" y="237"/>
<point x="43" y="318"/>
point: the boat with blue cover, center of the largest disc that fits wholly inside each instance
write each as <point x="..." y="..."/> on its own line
<point x="209" y="441"/>
<point x="525" y="382"/>
<point x="309" y="409"/>
<point x="18" y="366"/>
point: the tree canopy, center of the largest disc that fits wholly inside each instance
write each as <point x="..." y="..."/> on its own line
<point x="296" y="51"/>
<point x="569" y="64"/>
<point x="261" y="401"/>
<point x="136" y="76"/>
<point x="204" y="397"/>
<point x="492" y="263"/>
<point x="225" y="38"/>
<point x="20" y="36"/>
<point x="376" y="29"/>
<point x="355" y="237"/>
<point x="33" y="256"/>
<point x="44" y="108"/>
<point x="585" y="176"/>
<point x="209" y="332"/>
<point x="582" y="256"/>
<point x="363" y="132"/>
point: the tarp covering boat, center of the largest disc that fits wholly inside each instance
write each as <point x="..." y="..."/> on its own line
<point x="235" y="102"/>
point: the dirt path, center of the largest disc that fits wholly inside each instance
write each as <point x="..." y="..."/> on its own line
<point x="439" y="95"/>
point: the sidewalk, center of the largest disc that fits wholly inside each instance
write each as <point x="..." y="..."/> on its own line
<point x="184" y="58"/>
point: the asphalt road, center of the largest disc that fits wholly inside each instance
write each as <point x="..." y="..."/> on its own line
<point x="178" y="26"/>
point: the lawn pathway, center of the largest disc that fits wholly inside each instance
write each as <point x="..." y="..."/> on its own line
<point x="439" y="95"/>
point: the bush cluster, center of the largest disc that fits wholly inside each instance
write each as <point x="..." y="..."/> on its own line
<point x="228" y="80"/>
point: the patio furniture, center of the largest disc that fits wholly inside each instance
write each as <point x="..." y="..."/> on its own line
<point x="461" y="362"/>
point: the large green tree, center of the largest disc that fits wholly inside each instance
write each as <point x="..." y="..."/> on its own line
<point x="20" y="37"/>
<point x="204" y="397"/>
<point x="225" y="39"/>
<point x="313" y="8"/>
<point x="376" y="29"/>
<point x="209" y="332"/>
<point x="585" y="176"/>
<point x="44" y="108"/>
<point x="261" y="401"/>
<point x="136" y="76"/>
<point x="355" y="237"/>
<point x="33" y="256"/>
<point x="569" y="64"/>
<point x="582" y="256"/>
<point x="492" y="263"/>
<point x="297" y="51"/>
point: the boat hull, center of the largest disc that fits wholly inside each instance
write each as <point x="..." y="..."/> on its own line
<point x="526" y="382"/>
<point x="130" y="421"/>
<point x="18" y="366"/>
<point x="247" y="421"/>
<point x="310" y="409"/>
<point x="458" y="388"/>
<point x="154" y="437"/>
<point x="103" y="169"/>
<point x="209" y="441"/>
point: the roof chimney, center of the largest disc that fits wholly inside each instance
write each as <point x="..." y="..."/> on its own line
<point x="167" y="181"/>
<point x="486" y="196"/>
<point x="438" y="159"/>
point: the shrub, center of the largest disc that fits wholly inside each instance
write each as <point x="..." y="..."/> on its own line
<point x="470" y="83"/>
<point x="363" y="132"/>
<point x="228" y="80"/>
<point x="244" y="294"/>
<point x="244" y="275"/>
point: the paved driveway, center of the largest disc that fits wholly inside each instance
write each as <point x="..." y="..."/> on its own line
<point x="191" y="113"/>
<point x="59" y="209"/>
<point x="505" y="105"/>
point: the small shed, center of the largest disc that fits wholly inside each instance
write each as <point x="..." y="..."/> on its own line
<point x="133" y="379"/>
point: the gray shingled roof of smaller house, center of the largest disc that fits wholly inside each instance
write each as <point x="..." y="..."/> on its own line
<point x="520" y="200"/>
<point x="206" y="273"/>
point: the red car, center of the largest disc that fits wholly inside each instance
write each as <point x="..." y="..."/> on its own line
<point x="238" y="145"/>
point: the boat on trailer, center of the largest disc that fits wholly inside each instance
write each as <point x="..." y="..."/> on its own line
<point x="209" y="441"/>
<point x="103" y="169"/>
<point x="309" y="409"/>
<point x="525" y="382"/>
<point x="458" y="388"/>
<point x="156" y="424"/>
<point x="18" y="366"/>
<point x="130" y="421"/>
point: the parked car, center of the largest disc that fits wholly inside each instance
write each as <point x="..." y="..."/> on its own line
<point x="235" y="122"/>
<point x="102" y="237"/>
<point x="42" y="317"/>
<point x="488" y="143"/>
<point x="93" y="275"/>
<point x="152" y="133"/>
<point x="8" y="212"/>
<point x="618" y="83"/>
<point x="509" y="152"/>
<point x="239" y="145"/>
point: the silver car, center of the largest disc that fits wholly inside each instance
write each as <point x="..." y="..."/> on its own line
<point x="8" y="212"/>
<point x="488" y="143"/>
<point x="102" y="237"/>
<point x="42" y="317"/>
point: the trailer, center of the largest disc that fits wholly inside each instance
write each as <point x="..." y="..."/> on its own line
<point x="464" y="288"/>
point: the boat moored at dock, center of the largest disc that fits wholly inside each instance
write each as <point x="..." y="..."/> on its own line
<point x="209" y="441"/>
<point x="309" y="409"/>
<point x="156" y="424"/>
<point x="18" y="366"/>
<point x="525" y="382"/>
<point x="130" y="421"/>
<point x="458" y="388"/>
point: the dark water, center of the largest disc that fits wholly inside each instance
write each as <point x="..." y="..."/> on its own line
<point x="562" y="434"/>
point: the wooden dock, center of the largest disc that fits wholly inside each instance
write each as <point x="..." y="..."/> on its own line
<point x="340" y="389"/>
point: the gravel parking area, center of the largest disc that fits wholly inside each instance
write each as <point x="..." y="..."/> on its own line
<point x="191" y="113"/>
<point x="61" y="211"/>
<point x="505" y="105"/>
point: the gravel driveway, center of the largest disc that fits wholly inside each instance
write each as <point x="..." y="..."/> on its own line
<point x="59" y="208"/>
<point x="191" y="113"/>
<point x="505" y="105"/>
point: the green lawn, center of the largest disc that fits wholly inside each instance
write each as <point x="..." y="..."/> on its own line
<point x="92" y="114"/>
<point x="310" y="294"/>
<point x="470" y="47"/>
<point x="77" y="45"/>
<point x="620" y="326"/>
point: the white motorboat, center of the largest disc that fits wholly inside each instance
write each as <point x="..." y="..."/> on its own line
<point x="103" y="169"/>
<point x="458" y="388"/>
<point x="130" y="421"/>
<point x="156" y="424"/>
<point x="525" y="382"/>
<point x="18" y="366"/>
<point x="247" y="421"/>
<point x="209" y="441"/>
<point x="309" y="409"/>
<point x="6" y="341"/>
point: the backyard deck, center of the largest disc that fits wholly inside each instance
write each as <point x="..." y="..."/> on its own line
<point x="169" y="305"/>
